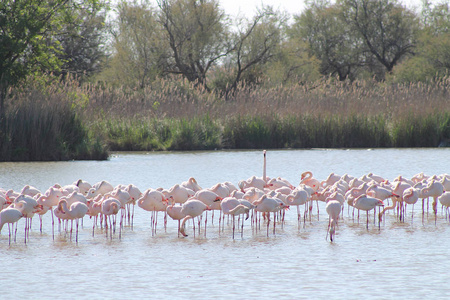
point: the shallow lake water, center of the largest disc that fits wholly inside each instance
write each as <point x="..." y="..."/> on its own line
<point x="399" y="260"/>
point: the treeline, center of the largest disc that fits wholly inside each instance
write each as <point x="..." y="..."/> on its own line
<point x="181" y="75"/>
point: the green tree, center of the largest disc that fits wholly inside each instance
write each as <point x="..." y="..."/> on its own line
<point x="27" y="40"/>
<point x="140" y="50"/>
<point x="255" y="43"/>
<point x="197" y="32"/>
<point x="387" y="29"/>
<point x="329" y="39"/>
<point x="435" y="37"/>
<point x="82" y="39"/>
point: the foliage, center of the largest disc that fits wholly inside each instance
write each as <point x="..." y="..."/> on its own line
<point x="45" y="129"/>
<point x="28" y="42"/>
<point x="329" y="39"/>
<point x="386" y="28"/>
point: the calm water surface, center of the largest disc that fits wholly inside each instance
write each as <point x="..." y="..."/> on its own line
<point x="401" y="261"/>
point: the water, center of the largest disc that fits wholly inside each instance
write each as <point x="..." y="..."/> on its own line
<point x="401" y="260"/>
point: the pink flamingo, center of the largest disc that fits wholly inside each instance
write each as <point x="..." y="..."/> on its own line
<point x="210" y="198"/>
<point x="101" y="187"/>
<point x="191" y="209"/>
<point x="83" y="186"/>
<point x="308" y="179"/>
<point x="154" y="201"/>
<point x="366" y="203"/>
<point x="94" y="209"/>
<point x="174" y="211"/>
<point x="232" y="206"/>
<point x="434" y="189"/>
<point x="410" y="196"/>
<point x="30" y="191"/>
<point x="331" y="179"/>
<point x="28" y="206"/>
<point x="296" y="198"/>
<point x="135" y="194"/>
<point x="110" y="208"/>
<point x="180" y="194"/>
<point x="444" y="199"/>
<point x="76" y="211"/>
<point x="192" y="184"/>
<point x="269" y="205"/>
<point x="333" y="209"/>
<point x="9" y="216"/>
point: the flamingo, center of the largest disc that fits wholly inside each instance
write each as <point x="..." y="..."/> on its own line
<point x="180" y="194"/>
<point x="444" y="199"/>
<point x="210" y="198"/>
<point x="154" y="201"/>
<point x="76" y="211"/>
<point x="366" y="203"/>
<point x="95" y="208"/>
<point x="298" y="197"/>
<point x="191" y="209"/>
<point x="101" y="187"/>
<point x="309" y="180"/>
<point x="10" y="216"/>
<point x="333" y="209"/>
<point x="174" y="211"/>
<point x="110" y="208"/>
<point x="83" y="186"/>
<point x="256" y="182"/>
<point x="232" y="206"/>
<point x="192" y="184"/>
<point x="268" y="205"/>
<point x="410" y="196"/>
<point x="28" y="206"/>
<point x="30" y="191"/>
<point x="434" y="189"/>
<point x="331" y="179"/>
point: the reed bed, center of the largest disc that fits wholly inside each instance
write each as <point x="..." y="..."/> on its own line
<point x="63" y="119"/>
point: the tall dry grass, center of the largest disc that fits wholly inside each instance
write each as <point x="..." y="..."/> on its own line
<point x="174" y="115"/>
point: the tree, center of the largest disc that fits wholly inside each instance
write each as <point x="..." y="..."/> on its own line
<point x="387" y="29"/>
<point x="329" y="39"/>
<point x="198" y="36"/>
<point x="435" y="37"/>
<point x="140" y="48"/>
<point x="82" y="38"/>
<point x="257" y="41"/>
<point x="27" y="40"/>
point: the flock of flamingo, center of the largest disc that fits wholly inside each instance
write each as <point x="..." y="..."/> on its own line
<point x="264" y="199"/>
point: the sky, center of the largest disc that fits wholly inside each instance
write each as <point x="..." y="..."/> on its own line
<point x="247" y="7"/>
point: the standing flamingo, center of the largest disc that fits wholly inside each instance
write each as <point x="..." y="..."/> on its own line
<point x="333" y="209"/>
<point x="298" y="197"/>
<point x="366" y="203"/>
<point x="174" y="211"/>
<point x="154" y="201"/>
<point x="192" y="184"/>
<point x="76" y="211"/>
<point x="444" y="199"/>
<point x="268" y="205"/>
<point x="232" y="206"/>
<point x="10" y="216"/>
<point x="110" y="208"/>
<point x="191" y="209"/>
<point x="434" y="189"/>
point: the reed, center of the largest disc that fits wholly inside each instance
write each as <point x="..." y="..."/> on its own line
<point x="62" y="119"/>
<point x="43" y="128"/>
